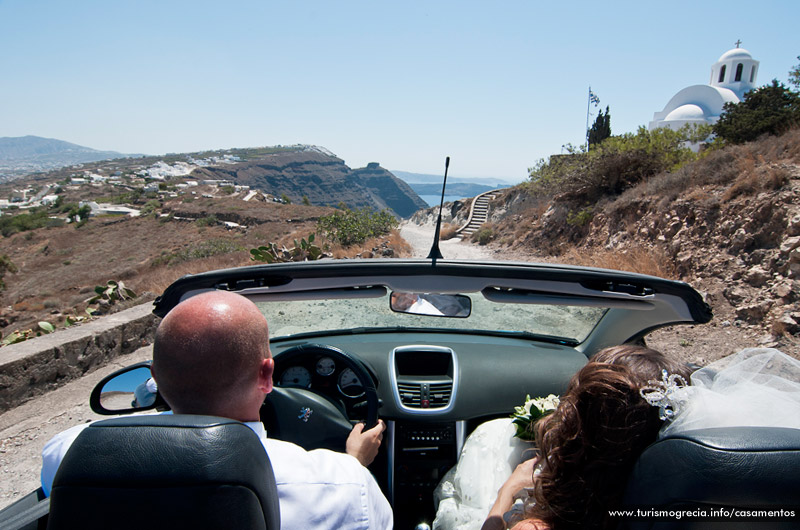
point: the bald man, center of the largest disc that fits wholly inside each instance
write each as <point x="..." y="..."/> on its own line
<point x="211" y="356"/>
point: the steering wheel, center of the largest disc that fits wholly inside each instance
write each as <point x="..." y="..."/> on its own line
<point x="311" y="419"/>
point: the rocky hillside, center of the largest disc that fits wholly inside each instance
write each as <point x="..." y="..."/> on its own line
<point x="325" y="180"/>
<point x="729" y="224"/>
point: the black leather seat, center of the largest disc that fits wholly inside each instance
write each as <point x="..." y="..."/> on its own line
<point x="165" y="471"/>
<point x="732" y="467"/>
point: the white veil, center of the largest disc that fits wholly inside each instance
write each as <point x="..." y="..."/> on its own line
<point x="755" y="387"/>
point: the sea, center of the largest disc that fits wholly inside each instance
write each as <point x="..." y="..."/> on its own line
<point x="433" y="200"/>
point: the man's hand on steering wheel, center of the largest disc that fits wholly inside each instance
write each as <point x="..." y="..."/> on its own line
<point x="363" y="444"/>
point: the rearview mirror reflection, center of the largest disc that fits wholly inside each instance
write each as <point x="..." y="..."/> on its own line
<point x="431" y="304"/>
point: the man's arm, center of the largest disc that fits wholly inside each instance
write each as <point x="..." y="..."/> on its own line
<point x="363" y="444"/>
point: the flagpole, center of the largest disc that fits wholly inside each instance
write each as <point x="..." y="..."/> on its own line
<point x="588" y="106"/>
<point x="592" y="99"/>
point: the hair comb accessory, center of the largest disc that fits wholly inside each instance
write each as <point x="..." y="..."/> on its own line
<point x="661" y="394"/>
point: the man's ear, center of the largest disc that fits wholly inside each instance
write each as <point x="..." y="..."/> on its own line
<point x="265" y="375"/>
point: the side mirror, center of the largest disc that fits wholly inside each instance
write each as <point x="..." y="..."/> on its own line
<point x="131" y="389"/>
<point x="431" y="304"/>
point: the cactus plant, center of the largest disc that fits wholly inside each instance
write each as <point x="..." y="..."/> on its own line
<point x="112" y="292"/>
<point x="22" y="335"/>
<point x="304" y="250"/>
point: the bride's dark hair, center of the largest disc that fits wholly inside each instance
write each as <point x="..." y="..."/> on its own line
<point x="589" y="444"/>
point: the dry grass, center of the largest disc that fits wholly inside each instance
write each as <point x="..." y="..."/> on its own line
<point x="756" y="176"/>
<point x="393" y="240"/>
<point x="748" y="169"/>
<point x="448" y="231"/>
<point x="157" y="279"/>
<point x="401" y="247"/>
<point x="642" y="260"/>
<point x="784" y="148"/>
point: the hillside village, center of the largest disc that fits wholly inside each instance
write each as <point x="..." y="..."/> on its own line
<point x="152" y="182"/>
<point x="150" y="179"/>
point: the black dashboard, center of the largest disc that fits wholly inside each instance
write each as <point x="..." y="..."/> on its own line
<point x="489" y="375"/>
<point x="433" y="389"/>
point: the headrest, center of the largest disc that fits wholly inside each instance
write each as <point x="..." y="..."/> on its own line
<point x="165" y="471"/>
<point x="735" y="467"/>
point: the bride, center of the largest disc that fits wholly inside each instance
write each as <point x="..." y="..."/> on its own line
<point x="605" y="420"/>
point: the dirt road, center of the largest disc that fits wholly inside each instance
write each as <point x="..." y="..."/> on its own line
<point x="420" y="237"/>
<point x="25" y="429"/>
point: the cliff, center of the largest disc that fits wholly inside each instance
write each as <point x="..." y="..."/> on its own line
<point x="325" y="180"/>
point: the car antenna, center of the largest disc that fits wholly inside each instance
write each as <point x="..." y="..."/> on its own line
<point x="435" y="253"/>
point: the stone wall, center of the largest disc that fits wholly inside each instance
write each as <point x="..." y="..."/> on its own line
<point x="38" y="365"/>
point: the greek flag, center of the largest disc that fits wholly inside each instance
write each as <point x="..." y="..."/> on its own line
<point x="593" y="98"/>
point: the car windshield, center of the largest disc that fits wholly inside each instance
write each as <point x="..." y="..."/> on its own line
<point x="562" y="322"/>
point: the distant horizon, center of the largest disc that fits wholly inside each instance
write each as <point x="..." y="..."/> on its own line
<point x="496" y="87"/>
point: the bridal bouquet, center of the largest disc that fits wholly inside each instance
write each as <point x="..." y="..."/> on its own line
<point x="533" y="410"/>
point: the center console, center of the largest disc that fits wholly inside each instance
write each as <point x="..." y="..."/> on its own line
<point x="422" y="450"/>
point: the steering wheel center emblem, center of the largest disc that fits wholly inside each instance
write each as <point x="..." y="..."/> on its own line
<point x="305" y="413"/>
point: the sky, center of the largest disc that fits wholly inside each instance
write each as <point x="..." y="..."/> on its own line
<point x="494" y="85"/>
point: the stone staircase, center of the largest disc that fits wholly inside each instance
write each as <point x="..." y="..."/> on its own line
<point x="478" y="213"/>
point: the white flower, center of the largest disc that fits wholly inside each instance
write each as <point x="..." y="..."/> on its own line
<point x="530" y="412"/>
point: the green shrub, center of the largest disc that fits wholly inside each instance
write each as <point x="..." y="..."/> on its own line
<point x="483" y="235"/>
<point x="618" y="163"/>
<point x="770" y="109"/>
<point x="353" y="227"/>
<point x="33" y="219"/>
<point x="150" y="207"/>
<point x="79" y="215"/>
<point x="210" y="220"/>
<point x="580" y="217"/>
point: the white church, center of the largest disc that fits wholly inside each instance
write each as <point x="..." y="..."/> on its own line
<point x="731" y="76"/>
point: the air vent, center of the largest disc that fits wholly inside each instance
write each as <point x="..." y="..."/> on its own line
<point x="425" y="395"/>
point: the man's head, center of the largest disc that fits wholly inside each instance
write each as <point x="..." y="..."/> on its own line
<point x="211" y="356"/>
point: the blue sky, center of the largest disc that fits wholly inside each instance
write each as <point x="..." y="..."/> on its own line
<point x="493" y="85"/>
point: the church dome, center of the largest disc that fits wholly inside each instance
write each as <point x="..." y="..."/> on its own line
<point x="688" y="112"/>
<point x="735" y="53"/>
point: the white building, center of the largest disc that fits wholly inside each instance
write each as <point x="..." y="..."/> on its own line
<point x="110" y="209"/>
<point x="731" y="76"/>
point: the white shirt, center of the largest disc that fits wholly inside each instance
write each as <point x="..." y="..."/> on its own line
<point x="317" y="489"/>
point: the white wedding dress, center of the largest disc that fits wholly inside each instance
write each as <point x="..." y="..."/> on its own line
<point x="467" y="492"/>
<point x="755" y="387"/>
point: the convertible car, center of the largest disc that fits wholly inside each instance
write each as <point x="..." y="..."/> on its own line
<point x="434" y="348"/>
